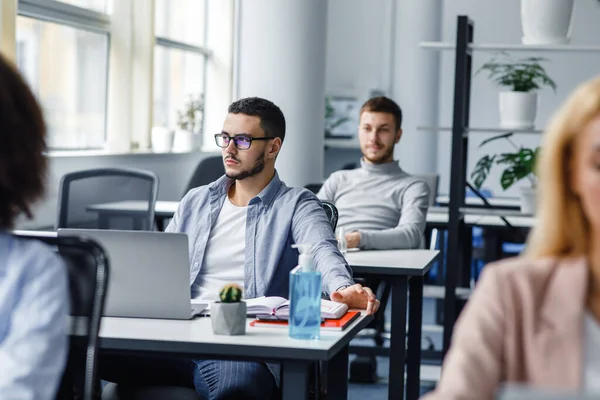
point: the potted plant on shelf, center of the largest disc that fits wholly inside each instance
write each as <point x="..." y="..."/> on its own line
<point x="546" y="22"/>
<point x="519" y="165"/>
<point x="518" y="105"/>
<point x="189" y="124"/>
<point x="228" y="316"/>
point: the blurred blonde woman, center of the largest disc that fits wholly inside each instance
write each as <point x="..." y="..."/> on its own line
<point x="535" y="319"/>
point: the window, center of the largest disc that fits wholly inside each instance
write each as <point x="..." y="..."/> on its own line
<point x="62" y="51"/>
<point x="181" y="20"/>
<point x="102" y="6"/>
<point x="179" y="58"/>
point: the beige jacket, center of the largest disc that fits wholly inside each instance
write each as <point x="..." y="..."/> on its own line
<point x="523" y="324"/>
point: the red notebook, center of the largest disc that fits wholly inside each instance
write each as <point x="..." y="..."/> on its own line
<point x="328" y="324"/>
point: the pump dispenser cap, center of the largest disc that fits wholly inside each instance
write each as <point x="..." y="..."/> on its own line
<point x="306" y="260"/>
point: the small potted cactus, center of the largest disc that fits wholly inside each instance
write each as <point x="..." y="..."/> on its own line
<point x="228" y="316"/>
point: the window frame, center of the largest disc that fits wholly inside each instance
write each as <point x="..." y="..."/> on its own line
<point x="203" y="51"/>
<point x="79" y="18"/>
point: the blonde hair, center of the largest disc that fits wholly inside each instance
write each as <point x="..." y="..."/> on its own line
<point x="561" y="228"/>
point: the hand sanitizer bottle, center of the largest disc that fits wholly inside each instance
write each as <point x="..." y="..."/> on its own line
<point x="342" y="243"/>
<point x="305" y="297"/>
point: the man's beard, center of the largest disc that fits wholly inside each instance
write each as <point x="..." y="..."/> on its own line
<point x="259" y="165"/>
<point x="382" y="159"/>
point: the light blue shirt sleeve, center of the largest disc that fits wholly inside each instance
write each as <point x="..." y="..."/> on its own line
<point x="310" y="226"/>
<point x="34" y="309"/>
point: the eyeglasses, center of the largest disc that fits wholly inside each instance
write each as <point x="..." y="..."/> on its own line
<point x="241" y="142"/>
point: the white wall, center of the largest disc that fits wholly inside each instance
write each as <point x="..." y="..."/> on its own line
<point x="359" y="37"/>
<point x="173" y="170"/>
<point x="358" y="49"/>
<point x="282" y="58"/>
<point x="374" y="45"/>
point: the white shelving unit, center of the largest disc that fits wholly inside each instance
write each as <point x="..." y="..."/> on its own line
<point x="513" y="47"/>
<point x="482" y="130"/>
<point x="342" y="144"/>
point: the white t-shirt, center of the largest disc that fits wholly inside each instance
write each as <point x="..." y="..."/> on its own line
<point x="225" y="253"/>
<point x="591" y="357"/>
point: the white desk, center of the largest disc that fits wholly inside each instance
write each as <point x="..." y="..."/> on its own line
<point x="166" y="208"/>
<point x="403" y="270"/>
<point x="476" y="201"/>
<point x="482" y="217"/>
<point x="194" y="338"/>
<point x="162" y="210"/>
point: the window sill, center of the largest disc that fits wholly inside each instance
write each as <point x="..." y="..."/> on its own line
<point x="101" y="153"/>
<point x="210" y="150"/>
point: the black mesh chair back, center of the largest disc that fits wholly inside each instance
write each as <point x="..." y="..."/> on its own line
<point x="208" y="170"/>
<point x="88" y="270"/>
<point x="332" y="213"/>
<point x="82" y="192"/>
<point x="314" y="187"/>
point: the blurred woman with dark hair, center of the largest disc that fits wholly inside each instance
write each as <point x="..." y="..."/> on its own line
<point x="33" y="281"/>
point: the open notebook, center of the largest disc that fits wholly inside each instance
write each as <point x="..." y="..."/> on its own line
<point x="280" y="307"/>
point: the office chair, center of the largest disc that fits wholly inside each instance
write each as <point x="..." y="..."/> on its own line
<point x="332" y="213"/>
<point x="80" y="189"/>
<point x="313" y="187"/>
<point x="88" y="271"/>
<point x="208" y="170"/>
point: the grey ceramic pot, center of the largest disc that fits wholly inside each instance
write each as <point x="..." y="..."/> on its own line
<point x="228" y="318"/>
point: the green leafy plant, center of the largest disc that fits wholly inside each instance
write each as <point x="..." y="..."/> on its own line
<point x="519" y="164"/>
<point x="522" y="75"/>
<point x="231" y="293"/>
<point x="190" y="118"/>
<point x="332" y="120"/>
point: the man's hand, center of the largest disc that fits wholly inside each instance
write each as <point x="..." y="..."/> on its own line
<point x="353" y="239"/>
<point x="357" y="296"/>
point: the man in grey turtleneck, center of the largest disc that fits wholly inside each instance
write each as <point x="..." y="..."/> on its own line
<point x="380" y="206"/>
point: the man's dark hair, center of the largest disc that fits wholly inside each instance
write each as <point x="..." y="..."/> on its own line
<point x="272" y="120"/>
<point x="386" y="105"/>
<point x="22" y="146"/>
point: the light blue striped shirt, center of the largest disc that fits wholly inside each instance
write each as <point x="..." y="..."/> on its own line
<point x="276" y="218"/>
<point x="34" y="308"/>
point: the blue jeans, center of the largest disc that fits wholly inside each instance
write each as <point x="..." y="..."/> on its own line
<point x="212" y="379"/>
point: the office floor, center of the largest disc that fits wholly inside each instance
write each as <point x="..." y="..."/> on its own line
<point x="379" y="389"/>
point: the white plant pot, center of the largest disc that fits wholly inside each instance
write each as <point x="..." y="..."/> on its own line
<point x="184" y="141"/>
<point x="546" y="22"/>
<point x="228" y="318"/>
<point x="518" y="109"/>
<point x="162" y="139"/>
<point x="528" y="200"/>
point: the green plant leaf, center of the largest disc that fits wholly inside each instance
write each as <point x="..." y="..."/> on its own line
<point x="508" y="178"/>
<point x="502" y="136"/>
<point x="522" y="75"/>
<point x="482" y="169"/>
<point x="520" y="165"/>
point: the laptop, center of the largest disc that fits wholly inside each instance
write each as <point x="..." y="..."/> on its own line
<point x="149" y="273"/>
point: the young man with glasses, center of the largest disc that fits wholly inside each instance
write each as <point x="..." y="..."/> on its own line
<point x="241" y="228"/>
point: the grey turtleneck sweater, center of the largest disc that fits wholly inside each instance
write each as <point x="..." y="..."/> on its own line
<point x="381" y="201"/>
